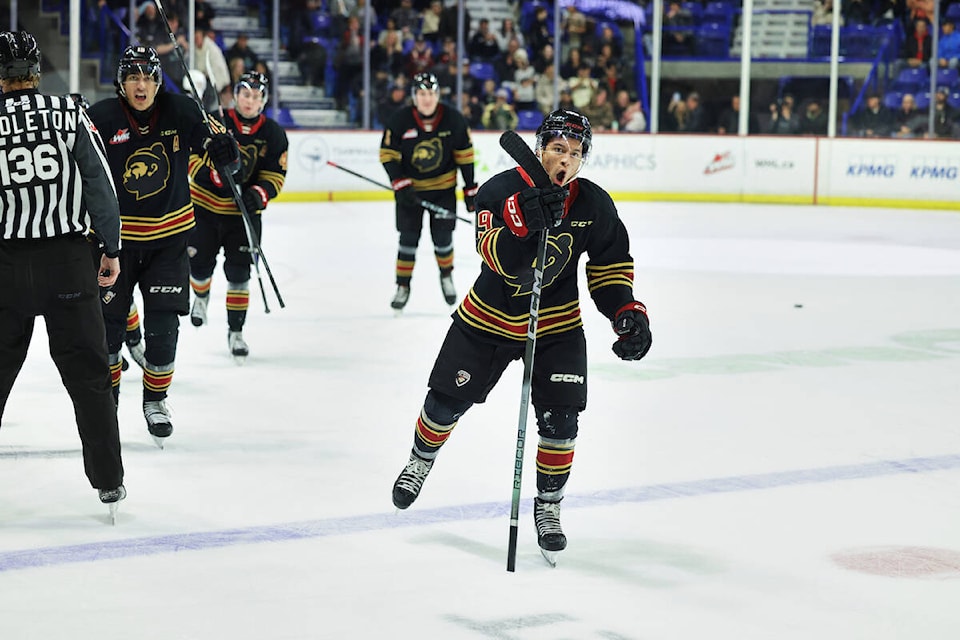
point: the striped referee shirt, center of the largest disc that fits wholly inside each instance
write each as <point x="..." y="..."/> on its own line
<point x="54" y="176"/>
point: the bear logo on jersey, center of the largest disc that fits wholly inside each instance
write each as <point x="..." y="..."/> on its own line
<point x="559" y="253"/>
<point x="147" y="171"/>
<point x="248" y="160"/>
<point x="427" y="155"/>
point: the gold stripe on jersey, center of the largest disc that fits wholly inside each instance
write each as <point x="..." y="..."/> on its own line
<point x="463" y="156"/>
<point x="210" y="201"/>
<point x="139" y="229"/>
<point x="620" y="274"/>
<point x="447" y="180"/>
<point x="487" y="248"/>
<point x="476" y="313"/>
<point x="274" y="178"/>
<point x="389" y="155"/>
<point x="194" y="165"/>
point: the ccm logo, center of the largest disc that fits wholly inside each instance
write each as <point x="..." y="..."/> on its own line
<point x="581" y="223"/>
<point x="567" y="377"/>
<point x="166" y="289"/>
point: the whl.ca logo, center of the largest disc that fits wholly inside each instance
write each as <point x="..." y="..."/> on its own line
<point x="121" y="136"/>
<point x="721" y="162"/>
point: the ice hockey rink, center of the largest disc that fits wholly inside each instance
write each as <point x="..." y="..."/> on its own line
<point x="784" y="464"/>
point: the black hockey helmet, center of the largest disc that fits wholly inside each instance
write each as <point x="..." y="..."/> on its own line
<point x="565" y="124"/>
<point x="138" y="59"/>
<point x="424" y="81"/>
<point x="80" y="100"/>
<point x="255" y="81"/>
<point x="19" y="55"/>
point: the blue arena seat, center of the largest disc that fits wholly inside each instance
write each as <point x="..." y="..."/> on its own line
<point x="528" y="120"/>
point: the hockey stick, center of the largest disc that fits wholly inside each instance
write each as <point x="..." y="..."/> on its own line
<point x="234" y="190"/>
<point x="440" y="212"/>
<point x="514" y="145"/>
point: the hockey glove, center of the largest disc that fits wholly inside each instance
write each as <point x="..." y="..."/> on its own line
<point x="633" y="327"/>
<point x="254" y="199"/>
<point x="533" y="210"/>
<point x="224" y="153"/>
<point x="404" y="192"/>
<point x="470" y="198"/>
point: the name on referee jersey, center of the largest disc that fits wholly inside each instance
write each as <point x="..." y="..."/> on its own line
<point x="41" y="119"/>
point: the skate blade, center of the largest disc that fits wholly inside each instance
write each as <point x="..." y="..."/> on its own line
<point x="550" y="556"/>
<point x="113" y="512"/>
<point x="239" y="360"/>
<point x="157" y="440"/>
<point x="397" y="313"/>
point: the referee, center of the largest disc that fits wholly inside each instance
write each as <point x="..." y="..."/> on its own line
<point x="54" y="185"/>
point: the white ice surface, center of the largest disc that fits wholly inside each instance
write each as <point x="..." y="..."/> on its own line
<point x="768" y="471"/>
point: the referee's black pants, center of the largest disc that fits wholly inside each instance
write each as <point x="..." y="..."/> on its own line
<point x="53" y="278"/>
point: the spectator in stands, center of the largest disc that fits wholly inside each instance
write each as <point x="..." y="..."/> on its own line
<point x="545" y="90"/>
<point x="814" y="121"/>
<point x="236" y="70"/>
<point x="500" y="115"/>
<point x="488" y="92"/>
<point x="600" y="112"/>
<point x="917" y="47"/>
<point x="628" y="113"/>
<point x="524" y="83"/>
<point x="430" y="26"/>
<point x="568" y="69"/>
<point x="948" y="47"/>
<point x="169" y="59"/>
<point x="575" y="28"/>
<point x="696" y="114"/>
<point x="304" y="46"/>
<point x="448" y="21"/>
<point x="729" y="121"/>
<point x="506" y="63"/>
<point x="508" y="31"/>
<point x="483" y="43"/>
<point x="241" y="49"/>
<point x="406" y="17"/>
<point x="448" y="52"/>
<point x="358" y="11"/>
<point x="538" y="34"/>
<point x="150" y="28"/>
<point x="943" y="116"/>
<point x="675" y="117"/>
<point x="203" y="15"/>
<point x="542" y="58"/>
<point x="391" y="27"/>
<point x="783" y="119"/>
<point x="582" y="87"/>
<point x="472" y="111"/>
<point x="419" y="59"/>
<point x="348" y="61"/>
<point x="874" y="120"/>
<point x="823" y="13"/>
<point x="208" y="58"/>
<point x="909" y="122"/>
<point x="612" y="80"/>
<point x="386" y="57"/>
<point x="396" y="98"/>
<point x="608" y="37"/>
<point x="565" y="101"/>
<point x="917" y="10"/>
<point x="677" y="30"/>
<point x="854" y="12"/>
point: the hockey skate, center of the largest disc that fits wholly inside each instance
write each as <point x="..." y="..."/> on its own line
<point x="546" y="517"/>
<point x="408" y="484"/>
<point x="198" y="313"/>
<point x="112" y="498"/>
<point x="157" y="416"/>
<point x="238" y="347"/>
<point x="400" y="298"/>
<point x="449" y="291"/>
<point x="137" y="353"/>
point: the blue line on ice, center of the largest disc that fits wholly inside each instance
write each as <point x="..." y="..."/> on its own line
<point x="52" y="556"/>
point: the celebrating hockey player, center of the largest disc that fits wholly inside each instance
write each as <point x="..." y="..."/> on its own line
<point x="490" y="325"/>
<point x="263" y="156"/>
<point x="421" y="149"/>
<point x="149" y="135"/>
<point x="56" y="187"/>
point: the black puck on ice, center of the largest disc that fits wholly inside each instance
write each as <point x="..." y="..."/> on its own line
<point x="798" y="306"/>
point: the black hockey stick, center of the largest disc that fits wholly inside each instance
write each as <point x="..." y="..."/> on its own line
<point x="440" y="212"/>
<point x="514" y="145"/>
<point x="234" y="190"/>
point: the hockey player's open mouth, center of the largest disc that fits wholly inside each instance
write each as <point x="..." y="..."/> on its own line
<point x="560" y="177"/>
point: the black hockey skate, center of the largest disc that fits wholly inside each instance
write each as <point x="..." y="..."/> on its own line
<point x="157" y="416"/>
<point x="400" y="298"/>
<point x="408" y="484"/>
<point x="449" y="291"/>
<point x="112" y="498"/>
<point x="546" y="517"/>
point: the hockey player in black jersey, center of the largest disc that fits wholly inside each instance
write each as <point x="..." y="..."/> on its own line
<point x="421" y="149"/>
<point x="149" y="135"/>
<point x="55" y="185"/>
<point x="490" y="325"/>
<point x="263" y="154"/>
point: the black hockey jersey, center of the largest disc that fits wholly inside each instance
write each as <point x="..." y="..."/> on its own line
<point x="263" y="153"/>
<point x="53" y="172"/>
<point x="498" y="305"/>
<point x="149" y="165"/>
<point x="428" y="150"/>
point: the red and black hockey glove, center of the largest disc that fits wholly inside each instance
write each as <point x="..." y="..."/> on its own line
<point x="224" y="153"/>
<point x="404" y="192"/>
<point x="533" y="210"/>
<point x="470" y="197"/>
<point x="254" y="199"/>
<point x="633" y="327"/>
